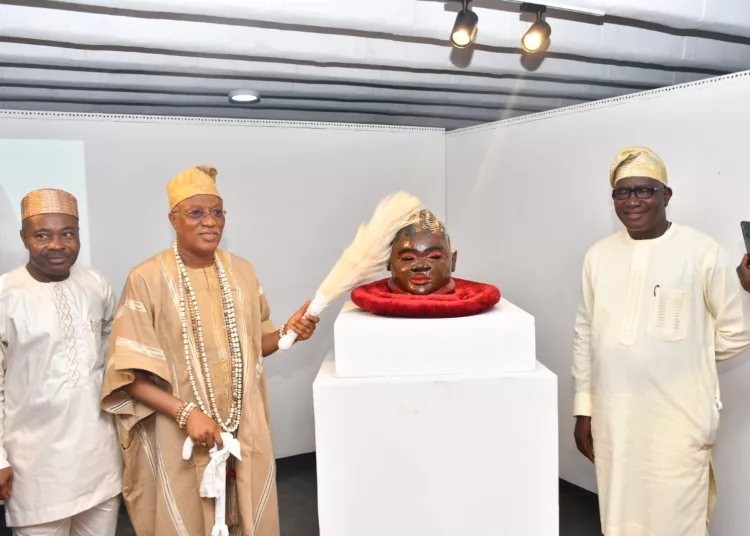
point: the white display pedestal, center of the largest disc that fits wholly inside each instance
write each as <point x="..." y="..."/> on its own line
<point x="437" y="455"/>
<point x="500" y="340"/>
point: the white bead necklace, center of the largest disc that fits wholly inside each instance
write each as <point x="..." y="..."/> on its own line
<point x="230" y="326"/>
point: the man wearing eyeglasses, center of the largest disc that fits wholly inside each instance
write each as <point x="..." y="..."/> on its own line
<point x="660" y="304"/>
<point x="186" y="361"/>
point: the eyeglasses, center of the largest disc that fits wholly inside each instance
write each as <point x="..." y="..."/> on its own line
<point x="641" y="192"/>
<point x="198" y="215"/>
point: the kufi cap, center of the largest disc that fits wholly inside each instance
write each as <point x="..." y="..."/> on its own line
<point x="48" y="201"/>
<point x="198" y="180"/>
<point x="637" y="162"/>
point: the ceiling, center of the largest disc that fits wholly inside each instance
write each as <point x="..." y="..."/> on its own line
<point x="360" y="61"/>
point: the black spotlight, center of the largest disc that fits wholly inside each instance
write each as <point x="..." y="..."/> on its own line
<point x="537" y="37"/>
<point x="465" y="27"/>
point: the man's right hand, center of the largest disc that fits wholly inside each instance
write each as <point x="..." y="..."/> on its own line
<point x="203" y="430"/>
<point x="582" y="434"/>
<point x="6" y="483"/>
<point x="743" y="272"/>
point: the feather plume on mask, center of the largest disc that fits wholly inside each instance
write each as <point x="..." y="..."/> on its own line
<point x="365" y="257"/>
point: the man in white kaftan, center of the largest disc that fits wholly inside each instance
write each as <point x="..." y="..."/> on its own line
<point x="661" y="303"/>
<point x="60" y="463"/>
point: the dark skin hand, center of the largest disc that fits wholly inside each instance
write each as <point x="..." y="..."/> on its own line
<point x="644" y="219"/>
<point x="6" y="483"/>
<point x="584" y="440"/>
<point x="421" y="264"/>
<point x="201" y="428"/>
<point x="743" y="272"/>
<point x="53" y="244"/>
<point x="303" y="326"/>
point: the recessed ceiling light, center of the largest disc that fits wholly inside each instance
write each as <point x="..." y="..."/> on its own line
<point x="244" y="96"/>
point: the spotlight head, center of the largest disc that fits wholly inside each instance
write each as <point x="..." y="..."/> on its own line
<point x="537" y="36"/>
<point x="465" y="27"/>
<point x="244" y="96"/>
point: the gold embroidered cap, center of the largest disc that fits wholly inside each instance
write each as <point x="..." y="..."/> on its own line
<point x="48" y="201"/>
<point x="637" y="162"/>
<point x="198" y="180"/>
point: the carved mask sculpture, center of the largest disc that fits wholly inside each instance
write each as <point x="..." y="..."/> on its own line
<point x="421" y="259"/>
<point x="421" y="283"/>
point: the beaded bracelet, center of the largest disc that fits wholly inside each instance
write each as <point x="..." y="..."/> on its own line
<point x="183" y="413"/>
<point x="186" y="415"/>
<point x="179" y="412"/>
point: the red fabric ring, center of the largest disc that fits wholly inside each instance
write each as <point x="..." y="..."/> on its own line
<point x="469" y="298"/>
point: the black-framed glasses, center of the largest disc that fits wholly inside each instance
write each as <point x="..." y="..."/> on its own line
<point x="641" y="192"/>
<point x="198" y="214"/>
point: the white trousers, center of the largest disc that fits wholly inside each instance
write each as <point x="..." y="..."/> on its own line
<point x="100" y="520"/>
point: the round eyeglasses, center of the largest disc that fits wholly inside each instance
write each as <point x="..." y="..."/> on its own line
<point x="198" y="215"/>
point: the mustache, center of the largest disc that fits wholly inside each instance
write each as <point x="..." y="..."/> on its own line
<point x="57" y="255"/>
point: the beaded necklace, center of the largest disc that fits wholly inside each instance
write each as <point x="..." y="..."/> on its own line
<point x="230" y="326"/>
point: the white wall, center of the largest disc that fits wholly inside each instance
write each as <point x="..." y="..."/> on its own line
<point x="294" y="195"/>
<point x="527" y="197"/>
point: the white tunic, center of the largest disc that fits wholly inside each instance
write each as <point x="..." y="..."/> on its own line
<point x="62" y="448"/>
<point x="654" y="317"/>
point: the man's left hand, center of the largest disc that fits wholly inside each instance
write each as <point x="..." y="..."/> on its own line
<point x="303" y="325"/>
<point x="743" y="272"/>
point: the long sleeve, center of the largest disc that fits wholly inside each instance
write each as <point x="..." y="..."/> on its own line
<point x="3" y="351"/>
<point x="728" y="303"/>
<point x="581" y="368"/>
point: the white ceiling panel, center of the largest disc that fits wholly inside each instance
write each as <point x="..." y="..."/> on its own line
<point x="381" y="61"/>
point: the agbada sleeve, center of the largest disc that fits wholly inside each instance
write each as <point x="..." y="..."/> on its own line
<point x="581" y="368"/>
<point x="728" y="303"/>
<point x="133" y="346"/>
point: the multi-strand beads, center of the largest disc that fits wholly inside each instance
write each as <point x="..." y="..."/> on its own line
<point x="230" y="326"/>
<point x="183" y="414"/>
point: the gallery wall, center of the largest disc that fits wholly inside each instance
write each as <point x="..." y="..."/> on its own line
<point x="294" y="194"/>
<point x="527" y="198"/>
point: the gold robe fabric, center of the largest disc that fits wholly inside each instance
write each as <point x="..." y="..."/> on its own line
<point x="160" y="489"/>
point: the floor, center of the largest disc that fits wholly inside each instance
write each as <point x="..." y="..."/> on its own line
<point x="579" y="515"/>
